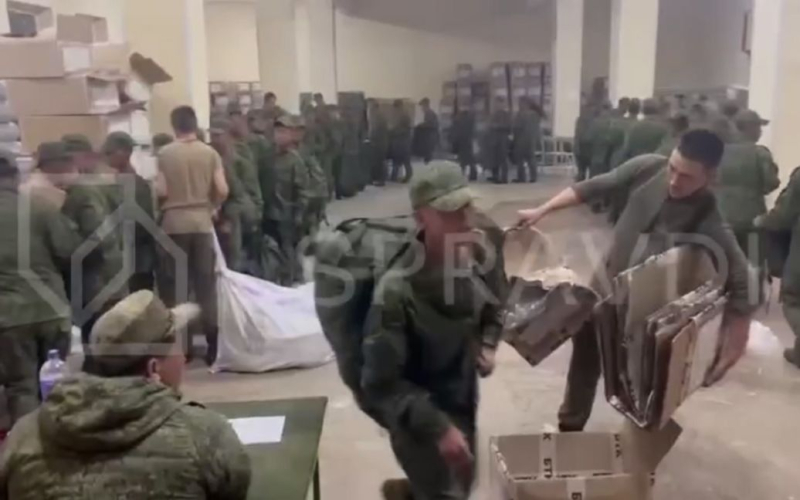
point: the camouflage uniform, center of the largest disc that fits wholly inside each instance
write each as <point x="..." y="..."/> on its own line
<point x="583" y="142"/>
<point x="463" y="139"/>
<point x="125" y="436"/>
<point x="317" y="193"/>
<point x="784" y="218"/>
<point x="400" y="144"/>
<point x="379" y="145"/>
<point x="419" y="374"/>
<point x="527" y="134"/>
<point x="499" y="145"/>
<point x="33" y="319"/>
<point x="644" y="137"/>
<point x="429" y="135"/>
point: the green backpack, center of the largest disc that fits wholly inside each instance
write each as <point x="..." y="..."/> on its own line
<point x="350" y="263"/>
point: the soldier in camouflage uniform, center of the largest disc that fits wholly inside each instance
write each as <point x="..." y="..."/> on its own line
<point x="527" y="136"/>
<point x="379" y="142"/>
<point x="618" y="130"/>
<point x="784" y="220"/>
<point x="247" y="168"/>
<point x="90" y="202"/>
<point x="429" y="131"/>
<point x="599" y="136"/>
<point x="122" y="430"/>
<point x="288" y="200"/>
<point x="499" y="142"/>
<point x="32" y="323"/>
<point x="679" y="124"/>
<point x="400" y="142"/>
<point x="424" y="349"/>
<point x="317" y="183"/>
<point x="583" y="142"/>
<point x="336" y="149"/>
<point x="463" y="139"/>
<point x="645" y="136"/>
<point x="747" y="174"/>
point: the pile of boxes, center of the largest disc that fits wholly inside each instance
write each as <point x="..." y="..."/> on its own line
<point x="64" y="76"/>
<point x="243" y="95"/>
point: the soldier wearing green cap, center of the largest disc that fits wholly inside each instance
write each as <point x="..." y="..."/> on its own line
<point x="122" y="430"/>
<point x="288" y="200"/>
<point x="424" y="346"/>
<point x="747" y="174"/>
<point x="90" y="202"/>
<point x="33" y="319"/>
<point x="118" y="149"/>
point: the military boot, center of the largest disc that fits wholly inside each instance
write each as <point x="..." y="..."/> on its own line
<point x="397" y="489"/>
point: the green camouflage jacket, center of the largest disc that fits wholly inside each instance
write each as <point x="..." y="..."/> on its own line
<point x="420" y="347"/>
<point x="785" y="218"/>
<point x="746" y="175"/>
<point x="644" y="137"/>
<point x="617" y="132"/>
<point x="122" y="438"/>
<point x="246" y="170"/>
<point x="317" y="180"/>
<point x="34" y="292"/>
<point x="91" y="206"/>
<point x="288" y="198"/>
<point x="238" y="205"/>
<point x="527" y="130"/>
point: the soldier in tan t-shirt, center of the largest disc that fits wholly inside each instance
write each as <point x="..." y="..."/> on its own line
<point x="191" y="187"/>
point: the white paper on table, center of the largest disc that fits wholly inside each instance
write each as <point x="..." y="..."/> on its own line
<point x="259" y="430"/>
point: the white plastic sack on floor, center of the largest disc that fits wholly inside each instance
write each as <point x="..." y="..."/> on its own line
<point x="763" y="341"/>
<point x="264" y="327"/>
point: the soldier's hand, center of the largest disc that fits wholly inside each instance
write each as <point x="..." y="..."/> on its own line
<point x="530" y="217"/>
<point x="735" y="335"/>
<point x="455" y="450"/>
<point x="487" y="361"/>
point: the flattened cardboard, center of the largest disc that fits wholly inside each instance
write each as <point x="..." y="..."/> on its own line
<point x="42" y="58"/>
<point x="92" y="94"/>
<point x="81" y="28"/>
<point x="149" y="70"/>
<point x="614" y="487"/>
<point x="26" y="19"/>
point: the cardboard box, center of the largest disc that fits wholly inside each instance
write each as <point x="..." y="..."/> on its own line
<point x="42" y="58"/>
<point x="145" y="74"/>
<point x="464" y="71"/>
<point x="111" y="57"/>
<point x="39" y="129"/>
<point x="26" y="19"/>
<point x="81" y="28"/>
<point x="517" y="71"/>
<point x="73" y="95"/>
<point x="585" y="466"/>
<point x="498" y="71"/>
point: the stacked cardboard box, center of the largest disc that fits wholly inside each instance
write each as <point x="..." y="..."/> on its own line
<point x="464" y="72"/>
<point x="70" y="79"/>
<point x="499" y="84"/>
<point x="243" y="95"/>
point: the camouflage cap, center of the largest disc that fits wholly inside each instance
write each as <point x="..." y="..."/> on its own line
<point x="140" y="325"/>
<point x="748" y="116"/>
<point x="51" y="152"/>
<point x="118" y="141"/>
<point x="77" y="143"/>
<point x="290" y="121"/>
<point x="441" y="186"/>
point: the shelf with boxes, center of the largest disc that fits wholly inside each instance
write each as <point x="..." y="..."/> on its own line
<point x="243" y="95"/>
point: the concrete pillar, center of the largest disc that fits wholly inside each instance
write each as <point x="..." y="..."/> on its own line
<point x="277" y="51"/>
<point x="775" y="77"/>
<point x="567" y="64"/>
<point x="173" y="33"/>
<point x="315" y="45"/>
<point x="634" y="37"/>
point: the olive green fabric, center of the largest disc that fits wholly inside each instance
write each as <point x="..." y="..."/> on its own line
<point x="122" y="438"/>
<point x="668" y="145"/>
<point x="41" y="295"/>
<point x="236" y="209"/>
<point x="618" y="131"/>
<point x="51" y="151"/>
<point x="498" y="142"/>
<point x="583" y="141"/>
<point x="442" y="186"/>
<point x="246" y="170"/>
<point x="288" y="198"/>
<point x="785" y="218"/>
<point x="599" y="135"/>
<point x="379" y="144"/>
<point x="400" y="145"/>
<point x="746" y="175"/>
<point x="317" y="191"/>
<point x="644" y="137"/>
<point x="463" y="139"/>
<point x="77" y="143"/>
<point x="429" y="134"/>
<point x="527" y="135"/>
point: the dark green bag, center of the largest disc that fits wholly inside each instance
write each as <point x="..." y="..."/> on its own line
<point x="349" y="264"/>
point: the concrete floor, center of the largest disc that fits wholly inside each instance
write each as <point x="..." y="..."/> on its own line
<point x="741" y="438"/>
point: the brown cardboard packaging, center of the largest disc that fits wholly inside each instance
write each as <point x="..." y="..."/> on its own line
<point x="145" y="73"/>
<point x="111" y="57"/>
<point x="81" y="28"/>
<point x="585" y="466"/>
<point x="38" y="129"/>
<point x="93" y="94"/>
<point x="42" y="58"/>
<point x="27" y="20"/>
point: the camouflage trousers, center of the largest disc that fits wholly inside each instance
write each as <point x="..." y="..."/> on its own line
<point x="23" y="351"/>
<point x="430" y="476"/>
<point x="582" y="379"/>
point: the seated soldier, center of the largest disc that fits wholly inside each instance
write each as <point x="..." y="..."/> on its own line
<point x="123" y="431"/>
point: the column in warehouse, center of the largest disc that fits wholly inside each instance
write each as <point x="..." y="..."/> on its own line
<point x="567" y="66"/>
<point x="315" y="44"/>
<point x="634" y="36"/>
<point x="174" y="34"/>
<point x="276" y="50"/>
<point x="775" y="77"/>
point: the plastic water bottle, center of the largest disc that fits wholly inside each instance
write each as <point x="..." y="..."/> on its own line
<point x="53" y="371"/>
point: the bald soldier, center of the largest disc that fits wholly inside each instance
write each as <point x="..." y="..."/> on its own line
<point x="668" y="197"/>
<point x="747" y="175"/>
<point x="122" y="430"/>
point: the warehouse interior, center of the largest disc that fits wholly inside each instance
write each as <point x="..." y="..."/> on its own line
<point x="739" y="440"/>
